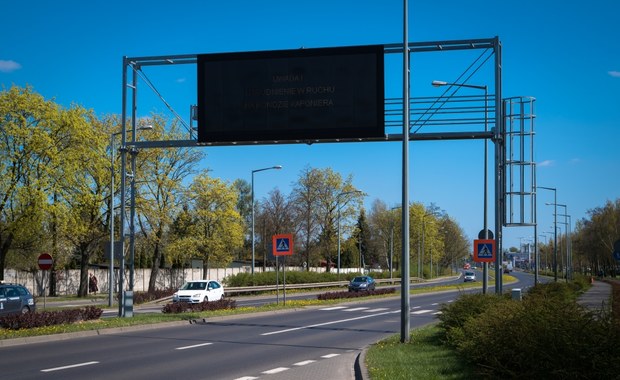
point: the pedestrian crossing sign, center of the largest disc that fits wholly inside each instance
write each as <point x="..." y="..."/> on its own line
<point x="282" y="244"/>
<point x="484" y="250"/>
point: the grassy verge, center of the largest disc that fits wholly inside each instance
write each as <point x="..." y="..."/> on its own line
<point x="424" y="357"/>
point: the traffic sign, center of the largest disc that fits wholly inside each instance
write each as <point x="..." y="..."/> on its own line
<point x="282" y="244"/>
<point x="45" y="261"/>
<point x="484" y="250"/>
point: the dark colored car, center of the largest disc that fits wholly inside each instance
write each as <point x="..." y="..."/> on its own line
<point x="15" y="299"/>
<point x="362" y="283"/>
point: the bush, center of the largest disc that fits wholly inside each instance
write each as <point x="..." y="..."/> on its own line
<point x="347" y="294"/>
<point x="49" y="318"/>
<point x="547" y="335"/>
<point x="182" y="307"/>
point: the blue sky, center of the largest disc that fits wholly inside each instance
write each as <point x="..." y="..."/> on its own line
<point x="565" y="54"/>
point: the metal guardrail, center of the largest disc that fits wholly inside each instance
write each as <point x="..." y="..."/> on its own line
<point x="266" y="288"/>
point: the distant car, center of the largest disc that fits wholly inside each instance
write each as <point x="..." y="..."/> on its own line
<point x="199" y="291"/>
<point x="467" y="266"/>
<point x="362" y="283"/>
<point x="469" y="276"/>
<point x="15" y="299"/>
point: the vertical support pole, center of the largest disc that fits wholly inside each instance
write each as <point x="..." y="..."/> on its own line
<point x="123" y="149"/>
<point x="404" y="306"/>
<point x="499" y="142"/>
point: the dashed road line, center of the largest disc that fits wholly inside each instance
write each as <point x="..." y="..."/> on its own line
<point x="329" y="356"/>
<point x="421" y="311"/>
<point x="305" y="362"/>
<point x="68" y="366"/>
<point x="194" y="346"/>
<point x="275" y="370"/>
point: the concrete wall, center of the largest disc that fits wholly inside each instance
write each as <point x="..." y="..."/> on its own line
<point x="68" y="281"/>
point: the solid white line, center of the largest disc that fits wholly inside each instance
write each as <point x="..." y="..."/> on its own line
<point x="421" y="311"/>
<point x="329" y="356"/>
<point x="333" y="308"/>
<point x="305" y="362"/>
<point x="194" y="346"/>
<point x="357" y="309"/>
<point x="329" y="323"/>
<point x="276" y="370"/>
<point x="247" y="378"/>
<point x="69" y="366"/>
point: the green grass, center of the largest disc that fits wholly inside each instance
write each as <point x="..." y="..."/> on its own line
<point x="424" y="357"/>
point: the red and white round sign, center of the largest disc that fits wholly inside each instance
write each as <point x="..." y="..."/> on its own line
<point x="45" y="261"/>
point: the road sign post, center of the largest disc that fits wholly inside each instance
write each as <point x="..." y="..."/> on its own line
<point x="45" y="262"/>
<point x="282" y="246"/>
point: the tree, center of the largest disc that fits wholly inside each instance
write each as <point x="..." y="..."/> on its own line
<point x="160" y="197"/>
<point x="49" y="178"/>
<point x="456" y="245"/>
<point x="212" y="226"/>
<point x="244" y="207"/>
<point x="304" y="199"/>
<point x="276" y="217"/>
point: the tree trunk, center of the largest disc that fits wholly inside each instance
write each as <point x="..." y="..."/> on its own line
<point x="155" y="268"/>
<point x="83" y="289"/>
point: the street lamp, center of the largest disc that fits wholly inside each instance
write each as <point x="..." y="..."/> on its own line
<point x="277" y="167"/>
<point x="438" y="83"/>
<point x="555" y="232"/>
<point x="111" y="269"/>
<point x="567" y="224"/>
<point x="338" y="208"/>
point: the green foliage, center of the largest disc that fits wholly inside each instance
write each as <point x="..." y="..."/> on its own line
<point x="183" y="307"/>
<point x="546" y="335"/>
<point x="49" y="318"/>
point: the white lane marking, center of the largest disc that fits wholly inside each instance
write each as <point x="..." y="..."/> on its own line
<point x="305" y="362"/>
<point x="333" y="308"/>
<point x="357" y="309"/>
<point x="437" y="313"/>
<point x="416" y="307"/>
<point x="275" y="370"/>
<point x="194" y="346"/>
<point x="434" y="304"/>
<point x="329" y="323"/>
<point x="421" y="311"/>
<point x="69" y="366"/>
<point x="247" y="378"/>
<point x="329" y="356"/>
<point x="376" y="310"/>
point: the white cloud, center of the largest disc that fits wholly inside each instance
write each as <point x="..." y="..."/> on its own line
<point x="575" y="161"/>
<point x="181" y="80"/>
<point x="9" y="66"/>
<point x="615" y="74"/>
<point x="545" y="163"/>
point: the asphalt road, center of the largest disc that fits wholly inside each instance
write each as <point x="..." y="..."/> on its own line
<point x="263" y="345"/>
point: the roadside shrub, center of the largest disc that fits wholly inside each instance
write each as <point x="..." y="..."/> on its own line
<point x="49" y="318"/>
<point x="143" y="297"/>
<point x="182" y="307"/>
<point x="546" y="335"/>
<point x="347" y="294"/>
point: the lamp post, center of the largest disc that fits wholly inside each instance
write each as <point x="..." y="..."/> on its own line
<point x="276" y="167"/>
<point x="437" y="83"/>
<point x="555" y="233"/>
<point x="567" y="224"/>
<point x="338" y="208"/>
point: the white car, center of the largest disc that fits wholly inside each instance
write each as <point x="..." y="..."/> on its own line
<point x="199" y="291"/>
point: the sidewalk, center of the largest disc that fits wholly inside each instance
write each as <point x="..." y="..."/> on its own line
<point x="597" y="298"/>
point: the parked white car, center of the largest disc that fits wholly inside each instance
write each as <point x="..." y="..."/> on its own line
<point x="199" y="291"/>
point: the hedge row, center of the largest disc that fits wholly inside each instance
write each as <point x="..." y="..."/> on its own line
<point x="49" y="318"/>
<point x="182" y="307"/>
